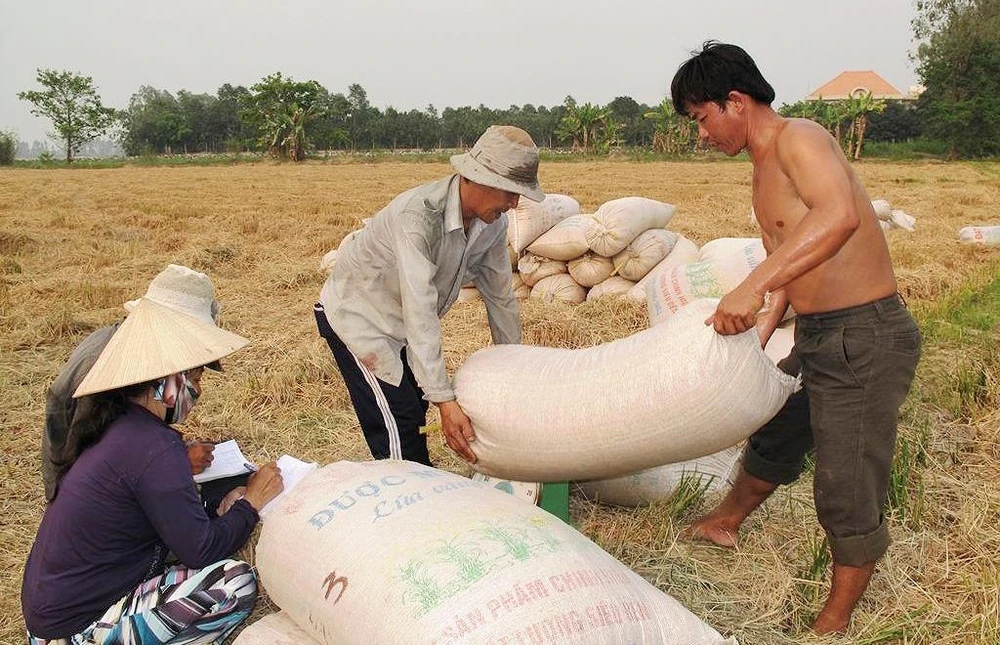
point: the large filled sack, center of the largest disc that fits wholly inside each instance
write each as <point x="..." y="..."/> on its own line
<point x="643" y="253"/>
<point x="275" y="629"/>
<point x="711" y="278"/>
<point x="615" y="286"/>
<point x="711" y="473"/>
<point x="397" y="552"/>
<point x="590" y="269"/>
<point x="619" y="221"/>
<point x="684" y="252"/>
<point x="670" y="393"/>
<point x="719" y="249"/>
<point x="982" y="235"/>
<point x="534" y="268"/>
<point x="521" y="290"/>
<point x="561" y="286"/>
<point x="566" y="240"/>
<point x="469" y="293"/>
<point x="530" y="219"/>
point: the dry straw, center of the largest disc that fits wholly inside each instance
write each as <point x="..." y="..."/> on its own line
<point x="71" y="253"/>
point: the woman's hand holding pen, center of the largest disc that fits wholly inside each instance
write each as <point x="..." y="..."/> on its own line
<point x="264" y="485"/>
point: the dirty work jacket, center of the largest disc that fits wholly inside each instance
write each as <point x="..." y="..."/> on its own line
<point x="395" y="278"/>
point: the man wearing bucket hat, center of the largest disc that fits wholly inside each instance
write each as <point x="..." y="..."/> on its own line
<point x="97" y="572"/>
<point x="381" y="306"/>
<point x="178" y="287"/>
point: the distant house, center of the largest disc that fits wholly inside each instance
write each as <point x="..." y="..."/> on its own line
<point x="848" y="84"/>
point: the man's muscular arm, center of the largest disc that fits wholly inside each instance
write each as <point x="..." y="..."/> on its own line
<point x="806" y="154"/>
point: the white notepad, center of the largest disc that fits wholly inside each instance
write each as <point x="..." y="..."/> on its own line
<point x="292" y="472"/>
<point x="227" y="460"/>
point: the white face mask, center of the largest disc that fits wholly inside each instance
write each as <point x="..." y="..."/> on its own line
<point x="178" y="394"/>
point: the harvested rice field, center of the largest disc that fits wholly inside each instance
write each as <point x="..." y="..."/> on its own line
<point x="76" y="243"/>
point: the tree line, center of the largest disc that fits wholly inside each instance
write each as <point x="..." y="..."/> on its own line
<point x="958" y="62"/>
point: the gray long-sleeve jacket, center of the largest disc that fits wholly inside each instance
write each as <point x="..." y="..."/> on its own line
<point x="395" y="278"/>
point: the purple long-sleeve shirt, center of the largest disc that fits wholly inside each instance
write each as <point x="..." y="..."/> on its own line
<point x="125" y="502"/>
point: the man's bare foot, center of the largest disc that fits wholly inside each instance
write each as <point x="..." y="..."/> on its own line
<point x="826" y="623"/>
<point x="845" y="590"/>
<point x="713" y="529"/>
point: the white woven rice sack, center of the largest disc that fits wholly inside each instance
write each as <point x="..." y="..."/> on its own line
<point x="558" y="287"/>
<point x="644" y="252"/>
<point x="566" y="240"/>
<point x="530" y="219"/>
<point x="521" y="290"/>
<point x="396" y="552"/>
<point x="469" y="294"/>
<point x="534" y="267"/>
<point x="673" y="289"/>
<point x="899" y="219"/>
<point x="670" y="393"/>
<point x="883" y="210"/>
<point x="274" y="629"/>
<point x="590" y="269"/>
<point x="714" y="472"/>
<point x="613" y="287"/>
<point x="719" y="249"/>
<point x="684" y="252"/>
<point x="984" y="235"/>
<point x="780" y="344"/>
<point x="619" y="221"/>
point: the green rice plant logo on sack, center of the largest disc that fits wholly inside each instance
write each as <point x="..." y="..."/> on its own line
<point x="451" y="566"/>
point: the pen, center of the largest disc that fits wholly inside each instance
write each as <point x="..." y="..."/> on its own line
<point x="249" y="466"/>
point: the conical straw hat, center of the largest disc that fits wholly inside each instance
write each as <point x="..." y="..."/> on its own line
<point x="153" y="342"/>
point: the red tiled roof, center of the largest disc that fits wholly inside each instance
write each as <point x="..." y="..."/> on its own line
<point x="849" y="83"/>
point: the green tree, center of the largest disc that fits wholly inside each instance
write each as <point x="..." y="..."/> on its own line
<point x="858" y="108"/>
<point x="958" y="61"/>
<point x="281" y="110"/>
<point x="70" y="100"/>
<point x="590" y="127"/>
<point x="899" y="122"/>
<point x="8" y="146"/>
<point x="153" y="123"/>
<point x="672" y="133"/>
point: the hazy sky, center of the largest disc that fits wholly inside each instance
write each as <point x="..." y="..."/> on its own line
<point x="445" y="52"/>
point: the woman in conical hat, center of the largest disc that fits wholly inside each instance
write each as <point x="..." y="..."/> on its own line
<point x="67" y="427"/>
<point x="96" y="572"/>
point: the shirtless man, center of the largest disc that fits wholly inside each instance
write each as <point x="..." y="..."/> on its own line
<point x="856" y="343"/>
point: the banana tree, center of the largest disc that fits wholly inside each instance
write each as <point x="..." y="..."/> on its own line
<point x="672" y="133"/>
<point x="858" y="107"/>
<point x="281" y="110"/>
<point x="584" y="125"/>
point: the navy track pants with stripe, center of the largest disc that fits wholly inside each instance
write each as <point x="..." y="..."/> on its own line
<point x="390" y="416"/>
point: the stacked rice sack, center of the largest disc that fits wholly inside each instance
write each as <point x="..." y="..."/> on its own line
<point x="563" y="254"/>
<point x="719" y="267"/>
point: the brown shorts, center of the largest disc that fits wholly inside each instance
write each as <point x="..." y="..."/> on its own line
<point x="857" y="365"/>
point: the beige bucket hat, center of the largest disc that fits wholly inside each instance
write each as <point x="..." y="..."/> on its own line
<point x="504" y="157"/>
<point x="157" y="340"/>
<point x="185" y="290"/>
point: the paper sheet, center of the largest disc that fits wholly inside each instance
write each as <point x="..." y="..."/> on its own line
<point x="292" y="472"/>
<point x="227" y="460"/>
